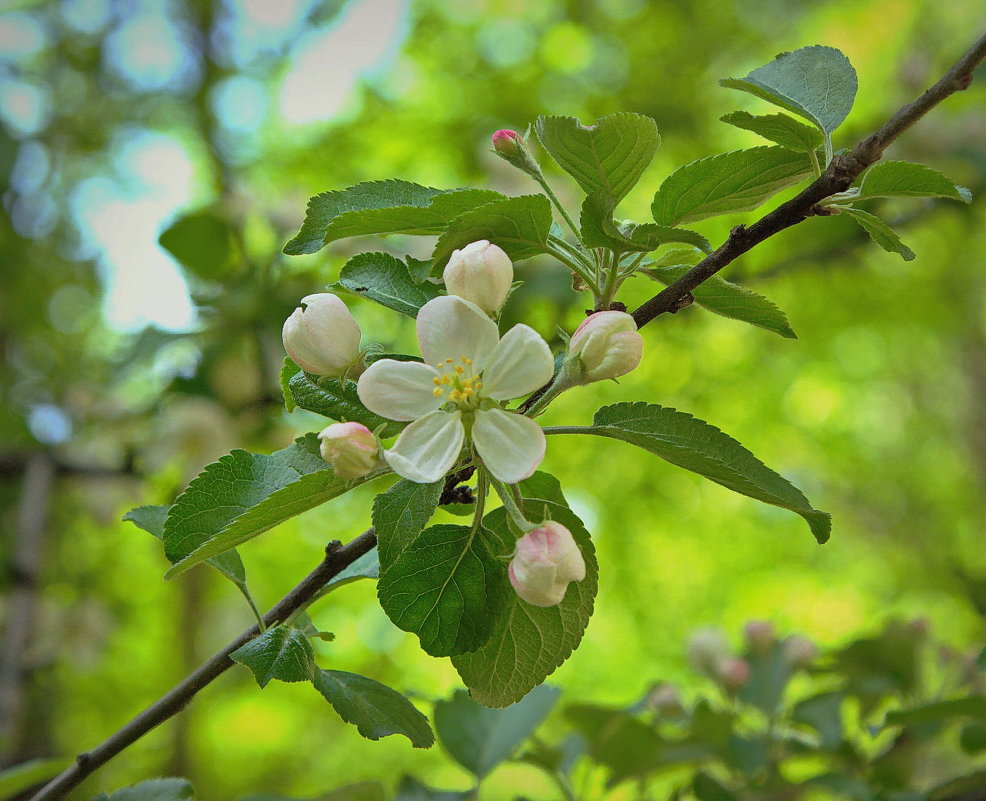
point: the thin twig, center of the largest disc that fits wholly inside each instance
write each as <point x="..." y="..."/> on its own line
<point x="837" y="177"/>
<point x="337" y="558"/>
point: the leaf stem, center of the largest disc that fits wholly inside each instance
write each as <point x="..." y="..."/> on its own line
<point x="543" y="183"/>
<point x="482" y="488"/>
<point x="572" y="259"/>
<point x="511" y="505"/>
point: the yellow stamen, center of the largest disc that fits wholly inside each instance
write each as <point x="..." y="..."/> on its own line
<point x="437" y="380"/>
<point x="459" y="369"/>
<point x="437" y="392"/>
<point x="446" y="379"/>
<point x="466" y="360"/>
<point x="449" y="361"/>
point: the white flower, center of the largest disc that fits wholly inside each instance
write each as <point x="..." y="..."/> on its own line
<point x="350" y="448"/>
<point x="547" y="560"/>
<point x="480" y="273"/>
<point x="321" y="336"/>
<point x="606" y="345"/>
<point x="459" y="391"/>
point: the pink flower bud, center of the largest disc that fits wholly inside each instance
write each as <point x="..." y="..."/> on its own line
<point x="480" y="273"/>
<point x="707" y="649"/>
<point x="800" y="651"/>
<point x="350" y="448"/>
<point x="546" y="560"/>
<point x="665" y="700"/>
<point x="606" y="345"/>
<point x="321" y="336"/>
<point x="733" y="673"/>
<point x="508" y="143"/>
<point x="759" y="635"/>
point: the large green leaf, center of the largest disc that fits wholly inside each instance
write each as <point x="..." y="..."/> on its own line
<point x="326" y="207"/>
<point x="730" y="300"/>
<point x="938" y="711"/>
<point x="817" y="83"/>
<point x="153" y="790"/>
<point x="399" y="515"/>
<point x="519" y="225"/>
<point x="778" y="128"/>
<point x="281" y="653"/>
<point x="202" y="242"/>
<point x="528" y="642"/>
<point x="695" y="445"/>
<point x="386" y="280"/>
<point x="439" y="588"/>
<point x="906" y="179"/>
<point x="480" y="738"/>
<point x="410" y="789"/>
<point x="419" y="220"/>
<point x="600" y="230"/>
<point x="610" y="155"/>
<point x="245" y="494"/>
<point x="337" y="399"/>
<point x="375" y="709"/>
<point x="881" y="233"/>
<point x="740" y="180"/>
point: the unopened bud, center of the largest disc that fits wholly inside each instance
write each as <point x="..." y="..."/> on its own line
<point x="707" y="649"/>
<point x="546" y="561"/>
<point x="350" y="448"/>
<point x="480" y="273"/>
<point x="606" y="345"/>
<point x="665" y="700"/>
<point x="321" y="336"/>
<point x="733" y="673"/>
<point x="800" y="651"/>
<point x="759" y="635"/>
<point x="510" y="146"/>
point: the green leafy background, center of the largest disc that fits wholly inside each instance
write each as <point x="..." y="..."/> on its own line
<point x="876" y="411"/>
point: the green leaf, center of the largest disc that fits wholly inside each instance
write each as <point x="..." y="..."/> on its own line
<point x="600" y="230"/>
<point x="386" y="280"/>
<point x="617" y="740"/>
<point x="740" y="180"/>
<point x="155" y="790"/>
<point x="817" y="83"/>
<point x="18" y="778"/>
<point x="323" y="209"/>
<point x="519" y="225"/>
<point x="695" y="445"/>
<point x="202" y="243"/>
<point x="939" y="711"/>
<point x="730" y="300"/>
<point x="152" y="519"/>
<point x="480" y="738"/>
<point x="972" y="738"/>
<point x="399" y="515"/>
<point x="779" y="128"/>
<point x="415" y="220"/>
<point x="338" y="399"/>
<point x="528" y="642"/>
<point x="375" y="709"/>
<point x="880" y="232"/>
<point x="245" y="494"/>
<point x="542" y="486"/>
<point x="281" y="653"/>
<point x="610" y="155"/>
<point x="410" y="789"/>
<point x="906" y="179"/>
<point x="960" y="787"/>
<point x="288" y="370"/>
<point x="438" y="588"/>
<point x="707" y="788"/>
<point x="824" y="714"/>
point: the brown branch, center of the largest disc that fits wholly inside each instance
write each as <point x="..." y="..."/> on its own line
<point x="337" y="558"/>
<point x="837" y="177"/>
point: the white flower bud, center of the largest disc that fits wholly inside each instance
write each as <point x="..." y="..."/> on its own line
<point x="800" y="651"/>
<point x="547" y="559"/>
<point x="321" y="336"/>
<point x="733" y="673"/>
<point x="350" y="448"/>
<point x="759" y="635"/>
<point x="481" y="273"/>
<point x="665" y="700"/>
<point x="707" y="650"/>
<point x="606" y="345"/>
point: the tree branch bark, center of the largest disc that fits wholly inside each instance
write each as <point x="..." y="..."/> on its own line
<point x="837" y="177"/>
<point x="337" y="558"/>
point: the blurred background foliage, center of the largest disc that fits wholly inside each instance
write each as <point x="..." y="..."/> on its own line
<point x="129" y="365"/>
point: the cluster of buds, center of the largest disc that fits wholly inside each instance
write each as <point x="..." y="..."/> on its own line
<point x="546" y="561"/>
<point x="481" y="273"/>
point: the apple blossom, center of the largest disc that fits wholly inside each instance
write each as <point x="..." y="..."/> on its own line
<point x="481" y="273"/>
<point x="321" y="335"/>
<point x="546" y="561"/>
<point x="351" y="449"/>
<point x="459" y="393"/>
<point x="507" y="143"/>
<point x="605" y="345"/>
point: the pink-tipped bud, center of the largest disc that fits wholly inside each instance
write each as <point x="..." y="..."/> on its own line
<point x="733" y="673"/>
<point x="800" y="651"/>
<point x="350" y="448"/>
<point x="546" y="561"/>
<point x="707" y="649"/>
<point x="759" y="635"/>
<point x="665" y="700"/>
<point x="321" y="336"/>
<point x="507" y="143"/>
<point x="481" y="273"/>
<point x="606" y="345"/>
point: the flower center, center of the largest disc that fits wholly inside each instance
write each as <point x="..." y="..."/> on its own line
<point x="459" y="382"/>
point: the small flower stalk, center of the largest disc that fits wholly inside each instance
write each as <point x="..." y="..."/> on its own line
<point x="350" y="448"/>
<point x="481" y="273"/>
<point x="606" y="345"/>
<point x="510" y="146"/>
<point x="546" y="561"/>
<point x="322" y="337"/>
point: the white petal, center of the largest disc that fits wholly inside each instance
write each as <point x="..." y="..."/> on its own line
<point x="426" y="450"/>
<point x="450" y="328"/>
<point x="510" y="445"/>
<point x="519" y="364"/>
<point x="399" y="390"/>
